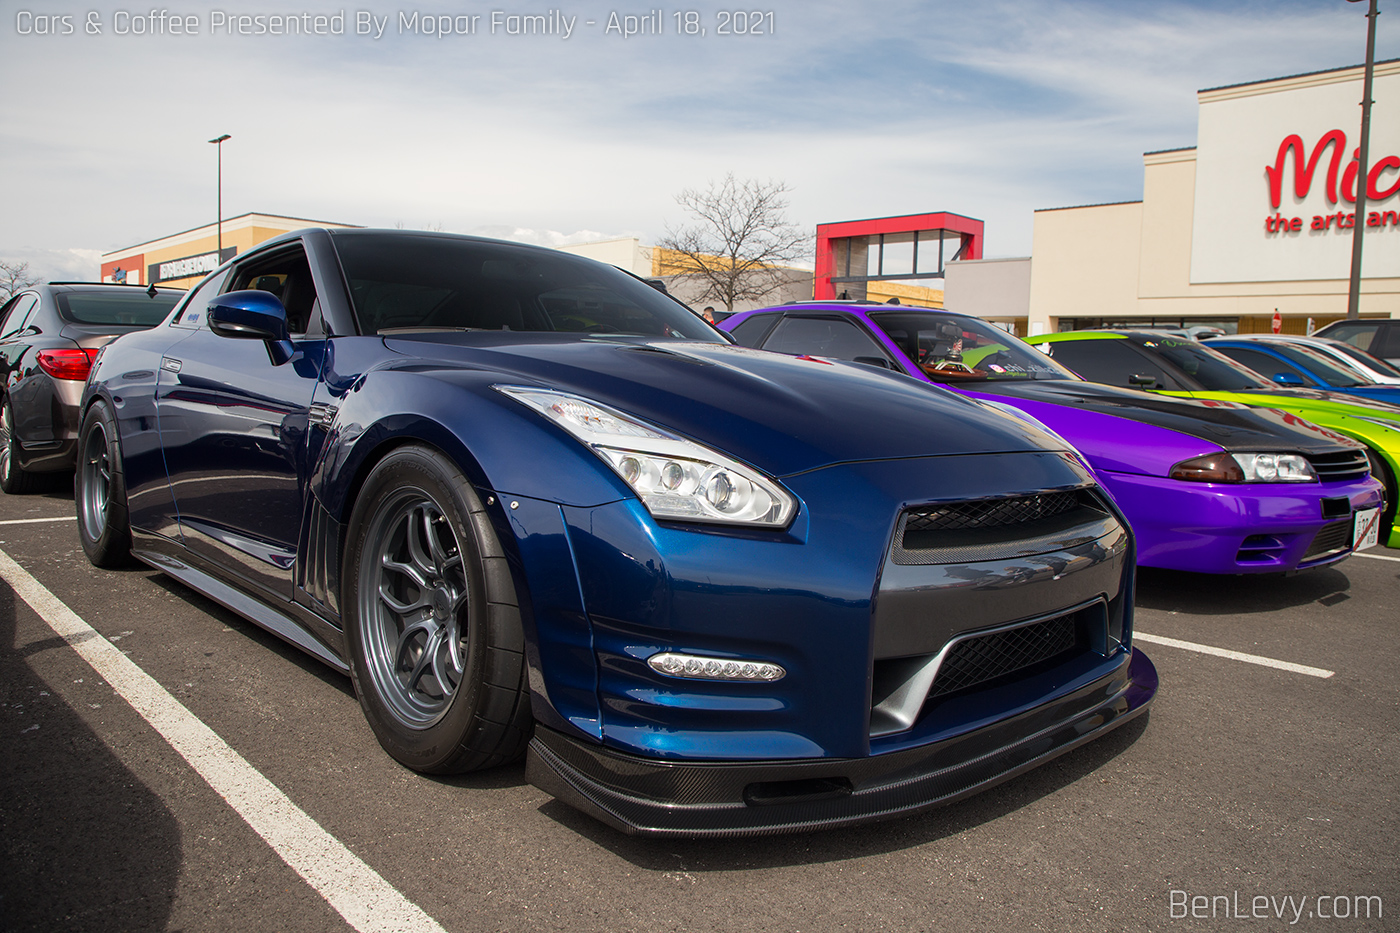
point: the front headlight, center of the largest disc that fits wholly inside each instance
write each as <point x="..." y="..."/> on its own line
<point x="1245" y="468"/>
<point x="675" y="478"/>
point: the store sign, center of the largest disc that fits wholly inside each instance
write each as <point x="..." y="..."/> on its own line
<point x="1277" y="179"/>
<point x="188" y="266"/>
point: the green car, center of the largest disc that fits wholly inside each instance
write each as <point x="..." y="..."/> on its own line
<point x="1181" y="366"/>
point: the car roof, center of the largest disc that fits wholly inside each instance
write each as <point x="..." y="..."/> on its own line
<point x="103" y="286"/>
<point x="1081" y="335"/>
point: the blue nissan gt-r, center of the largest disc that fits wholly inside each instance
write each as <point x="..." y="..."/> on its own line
<point x="531" y="505"/>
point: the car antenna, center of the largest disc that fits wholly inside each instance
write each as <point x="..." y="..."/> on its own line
<point x="151" y="292"/>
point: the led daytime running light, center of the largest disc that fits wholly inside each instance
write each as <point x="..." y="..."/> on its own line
<point x="698" y="667"/>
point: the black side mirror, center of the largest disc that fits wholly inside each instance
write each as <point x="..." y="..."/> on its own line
<point x="1138" y="379"/>
<point x="253" y="315"/>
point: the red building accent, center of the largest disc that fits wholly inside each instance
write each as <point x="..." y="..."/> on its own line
<point x="834" y="243"/>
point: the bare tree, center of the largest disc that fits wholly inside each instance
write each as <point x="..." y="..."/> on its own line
<point x="739" y="243"/>
<point x="14" y="277"/>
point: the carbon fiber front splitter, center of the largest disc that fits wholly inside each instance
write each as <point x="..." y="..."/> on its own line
<point x="650" y="796"/>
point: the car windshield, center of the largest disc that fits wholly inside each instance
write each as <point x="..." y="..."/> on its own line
<point x="953" y="348"/>
<point x="403" y="282"/>
<point x="129" y="307"/>
<point x="1215" y="371"/>
<point x="1334" y="373"/>
<point x="1373" y="363"/>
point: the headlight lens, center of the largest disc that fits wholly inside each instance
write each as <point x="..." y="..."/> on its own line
<point x="1245" y="468"/>
<point x="675" y="478"/>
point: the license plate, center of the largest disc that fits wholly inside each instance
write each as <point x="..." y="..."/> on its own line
<point x="1367" y="530"/>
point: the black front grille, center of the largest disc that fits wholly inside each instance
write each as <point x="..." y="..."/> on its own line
<point x="1332" y="538"/>
<point x="989" y="513"/>
<point x="982" y="658"/>
<point x="1346" y="464"/>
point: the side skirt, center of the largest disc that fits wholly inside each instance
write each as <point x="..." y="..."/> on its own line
<point x="157" y="552"/>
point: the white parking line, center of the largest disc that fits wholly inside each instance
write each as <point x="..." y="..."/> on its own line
<point x="357" y="892"/>
<point x="1233" y="655"/>
<point x="1376" y="556"/>
<point x="33" y="521"/>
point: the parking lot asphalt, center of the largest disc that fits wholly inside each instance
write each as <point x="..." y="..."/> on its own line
<point x="1245" y="782"/>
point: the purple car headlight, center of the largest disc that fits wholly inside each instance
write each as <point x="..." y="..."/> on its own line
<point x="1245" y="468"/>
<point x="675" y="478"/>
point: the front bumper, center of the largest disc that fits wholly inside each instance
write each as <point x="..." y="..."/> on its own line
<point x="1246" y="528"/>
<point x="640" y="795"/>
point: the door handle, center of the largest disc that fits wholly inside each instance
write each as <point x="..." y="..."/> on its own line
<point x="169" y="365"/>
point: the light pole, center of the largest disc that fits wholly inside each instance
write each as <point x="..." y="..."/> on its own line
<point x="219" y="145"/>
<point x="1359" y="224"/>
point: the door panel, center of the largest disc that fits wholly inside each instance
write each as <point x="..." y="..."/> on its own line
<point x="234" y="430"/>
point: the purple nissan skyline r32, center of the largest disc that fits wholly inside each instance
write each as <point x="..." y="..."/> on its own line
<point x="1210" y="487"/>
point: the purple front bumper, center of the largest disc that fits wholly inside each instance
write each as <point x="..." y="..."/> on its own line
<point x="1247" y="528"/>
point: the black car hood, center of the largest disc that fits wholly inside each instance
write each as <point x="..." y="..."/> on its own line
<point x="1230" y="425"/>
<point x="780" y="413"/>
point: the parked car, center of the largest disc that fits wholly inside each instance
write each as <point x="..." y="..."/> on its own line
<point x="1193" y="370"/>
<point x="1288" y="363"/>
<point x="1372" y="368"/>
<point x="531" y="504"/>
<point x="1378" y="337"/>
<point x="1150" y="452"/>
<point x="49" y="335"/>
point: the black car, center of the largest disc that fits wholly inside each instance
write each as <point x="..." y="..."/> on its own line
<point x="49" y="335"/>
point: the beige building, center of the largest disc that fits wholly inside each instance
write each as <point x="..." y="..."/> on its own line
<point x="653" y="262"/>
<point x="182" y="259"/>
<point x="1256" y="218"/>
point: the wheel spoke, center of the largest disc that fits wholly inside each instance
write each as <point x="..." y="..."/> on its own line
<point x="408" y="570"/>
<point x="402" y="608"/>
<point x="425" y="663"/>
<point x="442" y="557"/>
<point x="446" y="685"/>
<point x="419" y="523"/>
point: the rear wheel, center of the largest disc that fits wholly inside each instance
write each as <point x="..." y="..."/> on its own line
<point x="432" y="623"/>
<point x="15" y="479"/>
<point x="99" y="491"/>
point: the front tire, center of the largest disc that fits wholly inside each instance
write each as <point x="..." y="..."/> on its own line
<point x="15" y="479"/>
<point x="99" y="491"/>
<point x="431" y="619"/>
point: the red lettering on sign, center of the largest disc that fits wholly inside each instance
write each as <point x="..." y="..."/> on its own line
<point x="1373" y="179"/>
<point x="1303" y="170"/>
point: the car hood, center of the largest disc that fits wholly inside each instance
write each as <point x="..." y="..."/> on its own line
<point x="1231" y="425"/>
<point x="1320" y="400"/>
<point x="780" y="413"/>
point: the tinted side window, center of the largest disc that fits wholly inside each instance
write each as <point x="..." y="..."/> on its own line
<point x="751" y="331"/>
<point x="19" y="311"/>
<point x="288" y="276"/>
<point x="1264" y="364"/>
<point x="1112" y="362"/>
<point x="198" y="303"/>
<point x="1356" y="334"/>
<point x="1388" y="347"/>
<point x="838" y="339"/>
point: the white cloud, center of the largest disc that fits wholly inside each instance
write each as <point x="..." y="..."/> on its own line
<point x="990" y="109"/>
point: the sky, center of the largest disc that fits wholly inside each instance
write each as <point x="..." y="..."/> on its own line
<point x="991" y="109"/>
